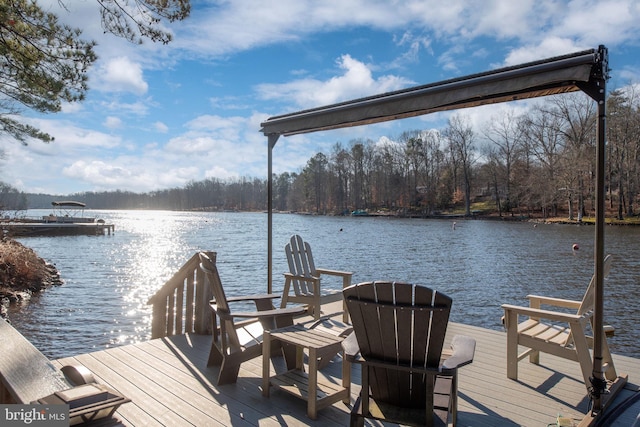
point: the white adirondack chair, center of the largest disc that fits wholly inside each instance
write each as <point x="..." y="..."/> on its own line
<point x="562" y="334"/>
<point x="303" y="277"/>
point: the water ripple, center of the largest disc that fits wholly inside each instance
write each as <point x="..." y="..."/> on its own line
<point x="481" y="264"/>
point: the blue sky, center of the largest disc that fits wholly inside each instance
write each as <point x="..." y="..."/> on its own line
<point x="158" y="116"/>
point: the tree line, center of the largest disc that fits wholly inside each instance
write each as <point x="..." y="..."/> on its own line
<point x="538" y="163"/>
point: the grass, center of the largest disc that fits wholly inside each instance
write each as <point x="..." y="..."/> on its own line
<point x="488" y="209"/>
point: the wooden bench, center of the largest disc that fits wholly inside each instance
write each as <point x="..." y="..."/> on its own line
<point x="28" y="376"/>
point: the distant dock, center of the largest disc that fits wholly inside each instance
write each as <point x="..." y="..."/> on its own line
<point x="67" y="219"/>
<point x="25" y="229"/>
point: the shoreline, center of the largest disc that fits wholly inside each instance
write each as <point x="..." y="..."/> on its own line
<point x="22" y="274"/>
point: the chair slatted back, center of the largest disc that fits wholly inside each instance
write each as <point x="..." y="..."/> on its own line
<point x="588" y="300"/>
<point x="228" y="332"/>
<point x="208" y="266"/>
<point x="399" y="324"/>
<point x="301" y="263"/>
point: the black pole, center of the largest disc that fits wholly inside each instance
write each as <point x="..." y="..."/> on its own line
<point x="598" y="382"/>
<point x="272" y="139"/>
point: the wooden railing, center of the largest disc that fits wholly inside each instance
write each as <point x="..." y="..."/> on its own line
<point x="182" y="304"/>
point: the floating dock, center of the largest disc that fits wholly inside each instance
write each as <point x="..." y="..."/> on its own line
<point x="67" y="219"/>
<point x="22" y="229"/>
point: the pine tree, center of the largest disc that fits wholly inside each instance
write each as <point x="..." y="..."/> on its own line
<point x="44" y="63"/>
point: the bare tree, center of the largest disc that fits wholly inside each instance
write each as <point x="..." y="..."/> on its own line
<point x="540" y="130"/>
<point x="576" y="114"/>
<point x="506" y="136"/>
<point x="433" y="160"/>
<point x="461" y="137"/>
<point x="315" y="181"/>
<point x="412" y="144"/>
<point x="623" y="129"/>
<point x="387" y="177"/>
<point x="340" y="166"/>
<point x="357" y="188"/>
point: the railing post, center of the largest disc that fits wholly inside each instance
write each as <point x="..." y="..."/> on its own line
<point x="159" y="320"/>
<point x="190" y="309"/>
<point x="171" y="301"/>
<point x="202" y="298"/>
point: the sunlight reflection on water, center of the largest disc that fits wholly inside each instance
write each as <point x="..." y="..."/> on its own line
<point x="481" y="264"/>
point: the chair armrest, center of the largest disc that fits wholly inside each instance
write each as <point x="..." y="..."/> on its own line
<point x="311" y="279"/>
<point x="557" y="302"/>
<point x="334" y="272"/>
<point x="276" y="312"/>
<point x="256" y="297"/>
<point x="350" y="346"/>
<point x="543" y="314"/>
<point x="327" y="324"/>
<point x="463" y="350"/>
<point x="262" y="301"/>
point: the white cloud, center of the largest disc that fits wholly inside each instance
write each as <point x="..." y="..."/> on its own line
<point x="112" y="122"/>
<point x="138" y="108"/>
<point x="220" y="172"/>
<point x="217" y="123"/>
<point x="548" y="47"/>
<point x="450" y="60"/>
<point x="414" y="45"/>
<point x="196" y="144"/>
<point x="221" y="30"/>
<point x="71" y="107"/>
<point x="630" y="74"/>
<point x="120" y="75"/>
<point x="601" y="21"/>
<point x="127" y="172"/>
<point x="532" y="26"/>
<point x="97" y="171"/>
<point x="355" y="81"/>
<point x="161" y="127"/>
<point x="71" y="136"/>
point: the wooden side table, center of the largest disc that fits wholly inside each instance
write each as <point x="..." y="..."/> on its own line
<point x="306" y="385"/>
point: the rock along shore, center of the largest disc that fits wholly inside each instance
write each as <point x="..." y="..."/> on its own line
<point x="22" y="274"/>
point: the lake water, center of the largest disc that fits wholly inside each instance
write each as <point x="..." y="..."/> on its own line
<point x="480" y="264"/>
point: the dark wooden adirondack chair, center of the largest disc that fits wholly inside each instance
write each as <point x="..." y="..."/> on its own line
<point x="303" y="277"/>
<point x="398" y="338"/>
<point x="240" y="337"/>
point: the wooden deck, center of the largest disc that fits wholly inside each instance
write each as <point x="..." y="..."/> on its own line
<point x="169" y="384"/>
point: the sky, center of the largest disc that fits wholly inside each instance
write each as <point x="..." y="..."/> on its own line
<point x="159" y="116"/>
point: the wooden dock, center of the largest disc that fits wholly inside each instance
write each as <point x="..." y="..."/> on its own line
<point x="169" y="383"/>
<point x="24" y="229"/>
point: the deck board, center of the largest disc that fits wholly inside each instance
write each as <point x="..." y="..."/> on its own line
<point x="169" y="383"/>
